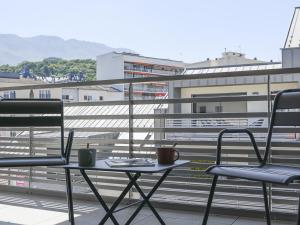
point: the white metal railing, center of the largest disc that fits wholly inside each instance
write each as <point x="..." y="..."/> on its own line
<point x="134" y="128"/>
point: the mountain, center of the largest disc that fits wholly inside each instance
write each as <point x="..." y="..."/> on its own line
<point x="15" y="49"/>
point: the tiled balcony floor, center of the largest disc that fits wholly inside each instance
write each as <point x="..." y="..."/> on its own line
<point x="23" y="209"/>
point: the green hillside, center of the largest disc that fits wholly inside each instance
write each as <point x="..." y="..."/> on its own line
<point x="55" y="67"/>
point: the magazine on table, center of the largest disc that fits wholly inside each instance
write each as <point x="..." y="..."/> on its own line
<point x="129" y="162"/>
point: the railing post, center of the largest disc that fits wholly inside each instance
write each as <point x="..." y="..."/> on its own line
<point x="130" y="118"/>
<point x="31" y="136"/>
<point x="269" y="99"/>
<point x="130" y="132"/>
<point x="159" y="123"/>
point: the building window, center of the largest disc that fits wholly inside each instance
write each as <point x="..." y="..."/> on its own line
<point x="65" y="97"/>
<point x="44" y="94"/>
<point x="202" y="109"/>
<point x="129" y="75"/>
<point x="87" y="98"/>
<point x="101" y="98"/>
<point x="219" y="108"/>
<point x="196" y="108"/>
<point x="9" y="94"/>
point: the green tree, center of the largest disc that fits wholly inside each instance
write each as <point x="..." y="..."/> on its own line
<point x="56" y="67"/>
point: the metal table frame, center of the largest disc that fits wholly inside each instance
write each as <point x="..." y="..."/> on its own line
<point x="133" y="173"/>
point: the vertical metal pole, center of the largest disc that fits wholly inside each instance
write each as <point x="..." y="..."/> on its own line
<point x="298" y="215"/>
<point x="269" y="99"/>
<point x="210" y="199"/>
<point x="269" y="96"/>
<point x="130" y="131"/>
<point x="130" y="124"/>
<point x="267" y="209"/>
<point x="31" y="136"/>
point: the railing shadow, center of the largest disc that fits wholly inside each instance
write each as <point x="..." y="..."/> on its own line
<point x="85" y="212"/>
<point x="53" y="204"/>
<point x="34" y="202"/>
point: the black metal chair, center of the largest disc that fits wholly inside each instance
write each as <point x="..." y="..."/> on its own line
<point x="30" y="113"/>
<point x="263" y="172"/>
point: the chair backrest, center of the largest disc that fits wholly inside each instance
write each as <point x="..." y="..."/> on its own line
<point x="33" y="113"/>
<point x="286" y="112"/>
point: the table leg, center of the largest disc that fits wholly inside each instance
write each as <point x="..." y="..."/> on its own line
<point x="98" y="196"/>
<point x="69" y="196"/>
<point x="147" y="197"/>
<point x="120" y="198"/>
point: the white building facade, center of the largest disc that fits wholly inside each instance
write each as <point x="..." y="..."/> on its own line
<point x="96" y="93"/>
<point x="70" y="94"/>
<point x="127" y="65"/>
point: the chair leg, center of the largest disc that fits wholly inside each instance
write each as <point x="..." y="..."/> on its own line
<point x="209" y="201"/>
<point x="266" y="203"/>
<point x="298" y="216"/>
<point x="69" y="196"/>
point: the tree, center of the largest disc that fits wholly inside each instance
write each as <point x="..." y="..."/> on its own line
<point x="83" y="69"/>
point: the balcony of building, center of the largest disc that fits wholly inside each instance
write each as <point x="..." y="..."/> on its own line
<point x="120" y="128"/>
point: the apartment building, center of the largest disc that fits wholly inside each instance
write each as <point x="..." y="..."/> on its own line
<point x="235" y="61"/>
<point x="127" y="65"/>
<point x="8" y="79"/>
<point x="94" y="93"/>
<point x="291" y="49"/>
<point x="225" y="86"/>
<point x="228" y="58"/>
<point x="236" y="86"/>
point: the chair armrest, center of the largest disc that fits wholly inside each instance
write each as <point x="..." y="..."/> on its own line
<point x="69" y="146"/>
<point x="232" y="131"/>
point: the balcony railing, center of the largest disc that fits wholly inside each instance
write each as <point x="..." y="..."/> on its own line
<point x="134" y="128"/>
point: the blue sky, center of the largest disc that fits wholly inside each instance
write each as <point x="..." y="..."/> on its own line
<point x="189" y="30"/>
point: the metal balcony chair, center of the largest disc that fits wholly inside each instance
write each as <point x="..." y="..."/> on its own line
<point x="30" y="113"/>
<point x="264" y="172"/>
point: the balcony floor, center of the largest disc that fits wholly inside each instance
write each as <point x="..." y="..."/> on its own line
<point x="24" y="209"/>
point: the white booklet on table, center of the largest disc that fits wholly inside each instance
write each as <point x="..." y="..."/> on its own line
<point x="129" y="162"/>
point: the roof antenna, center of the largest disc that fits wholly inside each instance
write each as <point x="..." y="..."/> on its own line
<point x="240" y="48"/>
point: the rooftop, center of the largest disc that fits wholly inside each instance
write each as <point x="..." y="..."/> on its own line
<point x="233" y="68"/>
<point x="137" y="58"/>
<point x="228" y="58"/>
<point x="9" y="75"/>
<point x="139" y="55"/>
